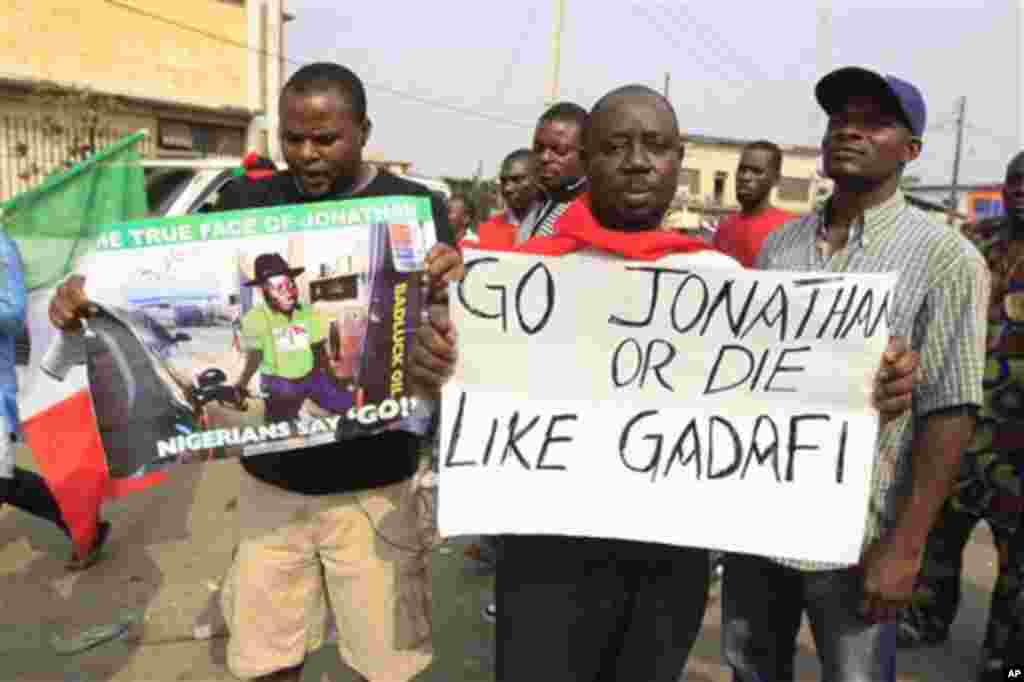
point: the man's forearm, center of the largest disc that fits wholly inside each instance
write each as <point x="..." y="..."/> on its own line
<point x="438" y="295"/>
<point x="939" y="442"/>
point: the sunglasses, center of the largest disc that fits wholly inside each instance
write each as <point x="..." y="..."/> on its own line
<point x="282" y="284"/>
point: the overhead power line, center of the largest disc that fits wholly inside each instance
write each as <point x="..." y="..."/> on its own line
<point x="1003" y="139"/>
<point x="402" y="94"/>
<point x="716" y="42"/>
<point x="653" y="21"/>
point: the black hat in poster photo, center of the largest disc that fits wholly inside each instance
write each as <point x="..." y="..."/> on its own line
<point x="268" y="265"/>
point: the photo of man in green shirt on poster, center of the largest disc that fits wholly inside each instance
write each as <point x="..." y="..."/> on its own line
<point x="284" y="340"/>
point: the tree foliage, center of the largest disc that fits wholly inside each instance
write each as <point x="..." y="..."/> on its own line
<point x="482" y="195"/>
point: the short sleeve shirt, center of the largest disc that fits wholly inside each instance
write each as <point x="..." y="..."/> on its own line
<point x="741" y="236"/>
<point x="285" y="343"/>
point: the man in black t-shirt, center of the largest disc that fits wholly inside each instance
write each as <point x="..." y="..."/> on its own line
<point x="346" y="508"/>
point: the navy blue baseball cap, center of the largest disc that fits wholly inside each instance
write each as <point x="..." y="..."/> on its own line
<point x="835" y="88"/>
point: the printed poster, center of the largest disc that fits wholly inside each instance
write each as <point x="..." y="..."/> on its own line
<point x="243" y="333"/>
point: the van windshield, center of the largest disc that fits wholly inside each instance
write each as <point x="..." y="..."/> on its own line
<point x="164" y="186"/>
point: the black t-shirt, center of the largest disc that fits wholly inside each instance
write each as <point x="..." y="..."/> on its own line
<point x="360" y="463"/>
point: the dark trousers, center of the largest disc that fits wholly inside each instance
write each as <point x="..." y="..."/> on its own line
<point x="286" y="396"/>
<point x="594" y="610"/>
<point x="491" y="544"/>
<point x="762" y="605"/>
<point x="28" y="492"/>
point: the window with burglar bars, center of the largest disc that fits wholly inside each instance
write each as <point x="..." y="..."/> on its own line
<point x="690" y="179"/>
<point x="30" y="150"/>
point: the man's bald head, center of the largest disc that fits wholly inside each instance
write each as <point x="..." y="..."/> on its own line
<point x="633" y="156"/>
<point x="627" y="94"/>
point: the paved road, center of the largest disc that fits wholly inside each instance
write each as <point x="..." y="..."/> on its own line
<point x="167" y="553"/>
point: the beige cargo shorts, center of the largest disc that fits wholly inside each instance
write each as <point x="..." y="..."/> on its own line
<point x="363" y="556"/>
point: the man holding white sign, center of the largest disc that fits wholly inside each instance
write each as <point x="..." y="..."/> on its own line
<point x="628" y="607"/>
<point x="874" y="129"/>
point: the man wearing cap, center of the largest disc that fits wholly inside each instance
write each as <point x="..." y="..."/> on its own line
<point x="284" y="340"/>
<point x="991" y="479"/>
<point x="874" y="130"/>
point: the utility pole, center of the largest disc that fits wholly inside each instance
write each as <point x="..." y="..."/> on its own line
<point x="823" y="58"/>
<point x="275" y="77"/>
<point x="954" y="194"/>
<point x="668" y="77"/>
<point x="556" y="51"/>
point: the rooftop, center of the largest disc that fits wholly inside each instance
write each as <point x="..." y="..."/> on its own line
<point x="737" y="142"/>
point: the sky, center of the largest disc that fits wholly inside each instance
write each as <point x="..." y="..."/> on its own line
<point x="737" y="69"/>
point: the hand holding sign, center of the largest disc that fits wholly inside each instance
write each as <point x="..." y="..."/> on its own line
<point x="443" y="265"/>
<point x="70" y="304"/>
<point x="894" y="384"/>
<point x="433" y="354"/>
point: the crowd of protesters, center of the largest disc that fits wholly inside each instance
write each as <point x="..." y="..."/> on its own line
<point x="950" y="448"/>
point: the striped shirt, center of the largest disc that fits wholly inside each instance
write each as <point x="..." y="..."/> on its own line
<point x="540" y="220"/>
<point x="939" y="304"/>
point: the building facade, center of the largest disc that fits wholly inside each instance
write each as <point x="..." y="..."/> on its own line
<point x="201" y="76"/>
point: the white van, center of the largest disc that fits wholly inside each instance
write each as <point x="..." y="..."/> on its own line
<point x="183" y="186"/>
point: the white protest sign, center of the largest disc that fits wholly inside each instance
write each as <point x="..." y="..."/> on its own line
<point x="682" y="402"/>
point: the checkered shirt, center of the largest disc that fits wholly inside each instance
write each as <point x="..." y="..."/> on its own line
<point x="939" y="304"/>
